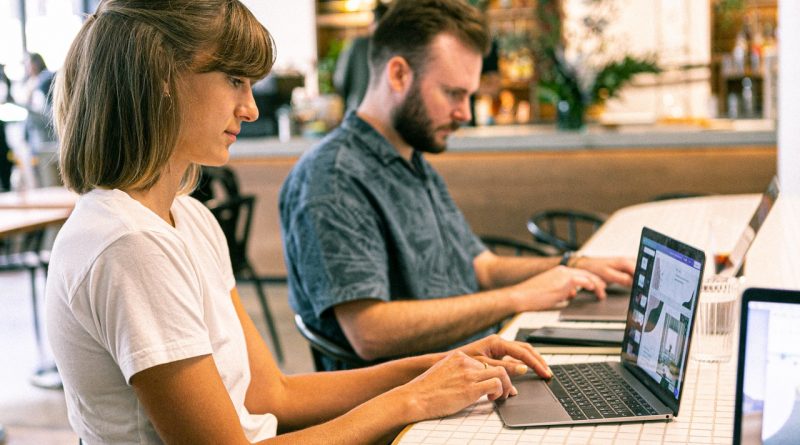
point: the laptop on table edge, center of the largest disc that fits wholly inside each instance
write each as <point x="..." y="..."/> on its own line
<point x="586" y="306"/>
<point x="767" y="408"/>
<point x="654" y="354"/>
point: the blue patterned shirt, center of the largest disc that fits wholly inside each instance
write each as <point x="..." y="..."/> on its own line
<point x="361" y="222"/>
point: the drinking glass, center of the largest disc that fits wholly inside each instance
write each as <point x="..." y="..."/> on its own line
<point x="716" y="319"/>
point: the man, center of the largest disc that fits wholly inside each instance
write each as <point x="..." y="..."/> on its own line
<point x="379" y="256"/>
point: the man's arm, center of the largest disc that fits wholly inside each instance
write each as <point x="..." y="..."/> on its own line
<point x="379" y="329"/>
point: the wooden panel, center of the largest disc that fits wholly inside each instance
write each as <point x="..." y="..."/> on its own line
<point x="499" y="191"/>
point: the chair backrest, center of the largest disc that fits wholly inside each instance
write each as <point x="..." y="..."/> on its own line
<point x="21" y="251"/>
<point x="507" y="246"/>
<point x="322" y="345"/>
<point x="676" y="195"/>
<point x="564" y="229"/>
<point x="216" y="184"/>
<point x="235" y="216"/>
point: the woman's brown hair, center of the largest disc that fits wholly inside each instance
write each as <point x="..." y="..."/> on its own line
<point x="117" y="113"/>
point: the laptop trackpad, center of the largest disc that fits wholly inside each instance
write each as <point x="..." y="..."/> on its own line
<point x="533" y="404"/>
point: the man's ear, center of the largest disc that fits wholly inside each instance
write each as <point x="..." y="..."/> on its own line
<point x="399" y="74"/>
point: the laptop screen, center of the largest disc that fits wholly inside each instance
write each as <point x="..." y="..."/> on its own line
<point x="768" y="387"/>
<point x="729" y="267"/>
<point x="661" y="313"/>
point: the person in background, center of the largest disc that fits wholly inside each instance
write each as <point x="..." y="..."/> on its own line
<point x="379" y="257"/>
<point x="145" y="322"/>
<point x="351" y="77"/>
<point x="38" y="102"/>
<point x="5" y="151"/>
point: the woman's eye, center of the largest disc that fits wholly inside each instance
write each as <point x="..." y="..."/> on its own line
<point x="235" y="81"/>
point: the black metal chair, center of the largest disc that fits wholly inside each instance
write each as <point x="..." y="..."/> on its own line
<point x="564" y="230"/>
<point x="676" y="195"/>
<point x="323" y="346"/>
<point x="503" y="245"/>
<point x="216" y="184"/>
<point x="23" y="253"/>
<point x="235" y="215"/>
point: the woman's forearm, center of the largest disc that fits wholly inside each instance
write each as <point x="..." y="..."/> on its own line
<point x="310" y="399"/>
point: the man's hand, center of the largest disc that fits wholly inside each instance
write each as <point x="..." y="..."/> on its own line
<point x="551" y="288"/>
<point x="612" y="270"/>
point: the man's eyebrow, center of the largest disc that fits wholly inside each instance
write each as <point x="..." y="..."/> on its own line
<point x="455" y="89"/>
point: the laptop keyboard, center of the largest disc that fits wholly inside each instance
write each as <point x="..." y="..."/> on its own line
<point x="596" y="391"/>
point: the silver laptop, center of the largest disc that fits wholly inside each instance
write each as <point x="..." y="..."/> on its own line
<point x="647" y="382"/>
<point x="768" y="378"/>
<point x="586" y="307"/>
<point x="730" y="266"/>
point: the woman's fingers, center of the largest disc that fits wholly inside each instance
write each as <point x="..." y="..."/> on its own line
<point x="498" y="372"/>
<point x="522" y="353"/>
<point x="492" y="388"/>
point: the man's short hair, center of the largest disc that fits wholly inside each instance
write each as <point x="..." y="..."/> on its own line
<point x="409" y="27"/>
<point x="117" y="111"/>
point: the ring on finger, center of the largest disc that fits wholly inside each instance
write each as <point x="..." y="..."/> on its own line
<point x="485" y="365"/>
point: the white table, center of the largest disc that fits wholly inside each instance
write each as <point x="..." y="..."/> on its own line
<point x="706" y="411"/>
<point x="39" y="198"/>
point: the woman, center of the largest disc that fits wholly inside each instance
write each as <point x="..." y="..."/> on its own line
<point x="146" y="325"/>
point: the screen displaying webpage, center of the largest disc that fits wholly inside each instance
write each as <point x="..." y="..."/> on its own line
<point x="771" y="399"/>
<point x="665" y="287"/>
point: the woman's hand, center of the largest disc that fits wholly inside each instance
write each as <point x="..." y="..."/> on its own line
<point x="515" y="356"/>
<point x="452" y="384"/>
<point x="470" y="372"/>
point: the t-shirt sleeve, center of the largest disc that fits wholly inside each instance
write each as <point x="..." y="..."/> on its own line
<point x="339" y="254"/>
<point x="147" y="304"/>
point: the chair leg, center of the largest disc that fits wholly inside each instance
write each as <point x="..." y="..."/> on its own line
<point x="37" y="331"/>
<point x="317" y="357"/>
<point x="273" y="332"/>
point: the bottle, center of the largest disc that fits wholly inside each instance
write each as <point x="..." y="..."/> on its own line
<point x="748" y="106"/>
<point x="733" y="105"/>
<point x="739" y="52"/>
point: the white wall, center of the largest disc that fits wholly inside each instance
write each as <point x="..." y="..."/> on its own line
<point x="678" y="32"/>
<point x="292" y="25"/>
<point x="789" y="96"/>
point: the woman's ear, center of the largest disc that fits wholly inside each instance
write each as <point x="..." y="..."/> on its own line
<point x="399" y="74"/>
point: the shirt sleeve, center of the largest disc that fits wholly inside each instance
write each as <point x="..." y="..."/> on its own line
<point x="467" y="239"/>
<point x="147" y="303"/>
<point x="340" y="255"/>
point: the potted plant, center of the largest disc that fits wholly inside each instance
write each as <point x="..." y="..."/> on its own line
<point x="585" y="74"/>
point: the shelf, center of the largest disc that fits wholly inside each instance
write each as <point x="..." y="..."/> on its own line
<point x="524" y="13"/>
<point x="345" y="19"/>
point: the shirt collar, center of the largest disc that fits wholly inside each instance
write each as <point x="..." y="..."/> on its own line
<point x="373" y="141"/>
<point x="380" y="147"/>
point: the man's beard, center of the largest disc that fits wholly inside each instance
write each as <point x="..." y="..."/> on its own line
<point x="411" y="121"/>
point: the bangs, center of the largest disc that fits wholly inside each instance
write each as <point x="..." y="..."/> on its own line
<point x="244" y="48"/>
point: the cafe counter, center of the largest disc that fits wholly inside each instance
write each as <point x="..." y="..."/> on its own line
<point x="708" y="133"/>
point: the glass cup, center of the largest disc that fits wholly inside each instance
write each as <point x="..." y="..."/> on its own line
<point x="716" y="320"/>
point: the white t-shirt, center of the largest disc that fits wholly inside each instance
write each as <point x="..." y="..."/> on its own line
<point x="125" y="292"/>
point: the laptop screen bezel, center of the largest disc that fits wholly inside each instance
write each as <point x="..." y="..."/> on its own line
<point x="696" y="254"/>
<point x="751" y="295"/>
